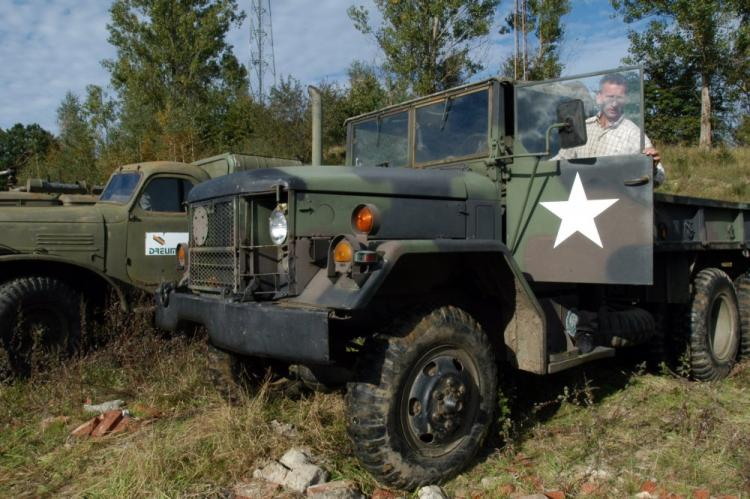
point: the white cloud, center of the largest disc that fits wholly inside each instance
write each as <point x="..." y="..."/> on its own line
<point x="49" y="47"/>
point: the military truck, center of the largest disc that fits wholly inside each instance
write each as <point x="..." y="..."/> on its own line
<point x="62" y="249"/>
<point x="456" y="240"/>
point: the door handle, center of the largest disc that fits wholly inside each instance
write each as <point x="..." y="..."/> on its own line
<point x="634" y="182"/>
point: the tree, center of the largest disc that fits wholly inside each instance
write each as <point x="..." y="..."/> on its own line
<point x="175" y="74"/>
<point x="427" y="43"/>
<point x="693" y="38"/>
<point x="76" y="158"/>
<point x="543" y="19"/>
<point x="25" y="148"/>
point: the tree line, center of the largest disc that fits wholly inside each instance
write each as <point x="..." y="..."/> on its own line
<point x="178" y="92"/>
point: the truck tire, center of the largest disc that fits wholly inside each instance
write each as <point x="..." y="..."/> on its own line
<point x="423" y="399"/>
<point x="742" y="286"/>
<point x="714" y="325"/>
<point x="38" y="316"/>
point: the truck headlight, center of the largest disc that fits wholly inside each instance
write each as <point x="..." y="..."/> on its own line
<point x="278" y="226"/>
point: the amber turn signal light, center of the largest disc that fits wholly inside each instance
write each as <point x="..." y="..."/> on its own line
<point x="342" y="253"/>
<point x="181" y="256"/>
<point x="364" y="219"/>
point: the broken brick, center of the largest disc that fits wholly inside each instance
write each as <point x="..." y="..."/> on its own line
<point x="589" y="488"/>
<point x="86" y="428"/>
<point x="648" y="486"/>
<point x="109" y="421"/>
<point x="701" y="494"/>
<point x="555" y="494"/>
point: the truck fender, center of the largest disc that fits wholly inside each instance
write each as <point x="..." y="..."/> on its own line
<point x="524" y="329"/>
<point x="37" y="261"/>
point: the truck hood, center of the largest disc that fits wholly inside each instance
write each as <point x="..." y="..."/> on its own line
<point x="448" y="184"/>
<point x="50" y="214"/>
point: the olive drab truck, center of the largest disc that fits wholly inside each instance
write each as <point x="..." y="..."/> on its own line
<point x="455" y="239"/>
<point x="63" y="250"/>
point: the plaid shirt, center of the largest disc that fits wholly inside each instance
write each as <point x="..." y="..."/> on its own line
<point x="621" y="137"/>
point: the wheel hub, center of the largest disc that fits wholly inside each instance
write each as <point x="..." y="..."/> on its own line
<point x="438" y="399"/>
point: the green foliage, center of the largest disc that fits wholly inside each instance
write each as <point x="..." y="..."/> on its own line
<point x="175" y="75"/>
<point x="687" y="50"/>
<point x="24" y="148"/>
<point x="427" y="43"/>
<point x="544" y="21"/>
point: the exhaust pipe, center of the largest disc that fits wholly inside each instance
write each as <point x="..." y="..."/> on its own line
<point x="317" y="125"/>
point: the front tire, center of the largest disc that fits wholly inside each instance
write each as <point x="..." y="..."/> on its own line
<point x="423" y="400"/>
<point x="40" y="321"/>
<point x="714" y="325"/>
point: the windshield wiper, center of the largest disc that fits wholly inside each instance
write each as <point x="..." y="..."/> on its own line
<point x="446" y="109"/>
<point x="384" y="164"/>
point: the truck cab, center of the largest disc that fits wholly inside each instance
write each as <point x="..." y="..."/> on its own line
<point x="497" y="222"/>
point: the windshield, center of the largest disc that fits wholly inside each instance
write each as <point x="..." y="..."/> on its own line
<point x="455" y="127"/>
<point x="382" y="141"/>
<point x="612" y="104"/>
<point x="120" y="187"/>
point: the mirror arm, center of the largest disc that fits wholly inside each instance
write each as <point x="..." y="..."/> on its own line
<point x="546" y="144"/>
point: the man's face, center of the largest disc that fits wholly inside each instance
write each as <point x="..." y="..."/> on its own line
<point x="611" y="99"/>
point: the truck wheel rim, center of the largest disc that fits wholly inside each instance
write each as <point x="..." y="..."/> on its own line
<point x="722" y="325"/>
<point x="440" y="400"/>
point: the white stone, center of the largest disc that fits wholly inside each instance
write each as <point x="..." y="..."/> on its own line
<point x="294" y="457"/>
<point x="272" y="472"/>
<point x="431" y="492"/>
<point x="340" y="489"/>
<point x="645" y="495"/>
<point x="490" y="482"/>
<point x="303" y="475"/>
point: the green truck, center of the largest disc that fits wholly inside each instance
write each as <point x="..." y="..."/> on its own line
<point x="468" y="229"/>
<point x="63" y="250"/>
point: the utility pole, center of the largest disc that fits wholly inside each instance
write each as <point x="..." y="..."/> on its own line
<point x="262" y="59"/>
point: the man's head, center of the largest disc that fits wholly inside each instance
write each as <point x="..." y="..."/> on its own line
<point x="612" y="96"/>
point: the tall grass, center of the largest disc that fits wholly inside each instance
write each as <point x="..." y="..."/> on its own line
<point x="720" y="173"/>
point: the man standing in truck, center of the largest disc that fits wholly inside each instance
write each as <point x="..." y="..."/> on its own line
<point x="609" y="132"/>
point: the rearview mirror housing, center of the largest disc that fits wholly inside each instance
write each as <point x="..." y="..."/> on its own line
<point x="574" y="133"/>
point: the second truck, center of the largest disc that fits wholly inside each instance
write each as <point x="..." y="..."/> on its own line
<point x="454" y="240"/>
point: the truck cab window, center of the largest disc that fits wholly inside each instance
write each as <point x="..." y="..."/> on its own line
<point x="165" y="195"/>
<point x="382" y="141"/>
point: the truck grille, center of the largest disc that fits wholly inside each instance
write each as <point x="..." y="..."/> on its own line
<point x="213" y="264"/>
<point x="237" y="255"/>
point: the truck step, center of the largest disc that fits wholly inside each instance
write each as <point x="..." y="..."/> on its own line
<point x="562" y="361"/>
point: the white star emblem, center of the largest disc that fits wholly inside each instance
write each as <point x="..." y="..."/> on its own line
<point x="577" y="214"/>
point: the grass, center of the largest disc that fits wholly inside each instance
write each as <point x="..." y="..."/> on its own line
<point x="721" y="173"/>
<point x="603" y="429"/>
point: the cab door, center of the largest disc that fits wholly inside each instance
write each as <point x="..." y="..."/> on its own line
<point x="157" y="224"/>
<point x="583" y="221"/>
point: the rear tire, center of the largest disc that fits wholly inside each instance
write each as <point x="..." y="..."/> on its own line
<point x="40" y="322"/>
<point x="423" y="400"/>
<point x="742" y="286"/>
<point x="714" y="325"/>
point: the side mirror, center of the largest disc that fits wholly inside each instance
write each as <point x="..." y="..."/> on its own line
<point x="573" y="134"/>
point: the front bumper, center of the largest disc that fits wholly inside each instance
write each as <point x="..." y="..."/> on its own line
<point x="262" y="329"/>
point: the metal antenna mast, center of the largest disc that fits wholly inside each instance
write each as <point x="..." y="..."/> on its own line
<point x="261" y="49"/>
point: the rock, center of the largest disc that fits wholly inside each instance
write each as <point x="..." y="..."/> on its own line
<point x="294" y="457"/>
<point x="384" y="494"/>
<point x="283" y="429"/>
<point x="257" y="489"/>
<point x="645" y="495"/>
<point x="53" y="420"/>
<point x="431" y="492"/>
<point x="273" y="472"/>
<point x="104" y="406"/>
<point x="302" y="476"/>
<point x="84" y="431"/>
<point x="340" y="489"/>
<point x="109" y="421"/>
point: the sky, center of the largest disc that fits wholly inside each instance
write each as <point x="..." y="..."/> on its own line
<point x="50" y="47"/>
